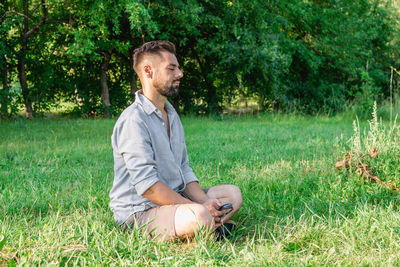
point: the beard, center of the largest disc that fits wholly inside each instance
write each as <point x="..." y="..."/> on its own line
<point x="168" y="89"/>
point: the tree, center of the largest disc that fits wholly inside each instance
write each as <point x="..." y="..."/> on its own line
<point x="309" y="53"/>
<point x="4" y="51"/>
<point x="104" y="32"/>
<point x="32" y="16"/>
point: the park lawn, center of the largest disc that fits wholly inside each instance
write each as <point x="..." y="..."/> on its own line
<point x="55" y="176"/>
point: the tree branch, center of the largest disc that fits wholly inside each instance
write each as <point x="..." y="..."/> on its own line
<point x="15" y="12"/>
<point x="36" y="7"/>
<point x="43" y="21"/>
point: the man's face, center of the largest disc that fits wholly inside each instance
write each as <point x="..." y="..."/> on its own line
<point x="167" y="74"/>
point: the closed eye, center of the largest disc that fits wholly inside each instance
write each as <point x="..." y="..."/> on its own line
<point x="172" y="66"/>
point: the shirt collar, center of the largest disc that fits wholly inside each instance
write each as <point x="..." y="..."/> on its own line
<point x="149" y="107"/>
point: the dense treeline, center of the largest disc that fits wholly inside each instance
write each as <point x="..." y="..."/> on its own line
<point x="312" y="55"/>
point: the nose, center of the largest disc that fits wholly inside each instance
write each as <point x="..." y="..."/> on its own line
<point x="180" y="74"/>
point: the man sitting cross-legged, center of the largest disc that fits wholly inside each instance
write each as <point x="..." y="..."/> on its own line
<point x="153" y="183"/>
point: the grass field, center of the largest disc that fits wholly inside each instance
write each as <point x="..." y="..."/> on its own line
<point x="55" y="176"/>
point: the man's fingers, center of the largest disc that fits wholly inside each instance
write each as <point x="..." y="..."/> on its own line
<point x="223" y="220"/>
<point x="221" y="213"/>
<point x="217" y="213"/>
<point x="217" y="204"/>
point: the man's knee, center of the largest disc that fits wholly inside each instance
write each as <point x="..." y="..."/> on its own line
<point x="236" y="196"/>
<point x="191" y="218"/>
<point x="202" y="215"/>
<point x="228" y="193"/>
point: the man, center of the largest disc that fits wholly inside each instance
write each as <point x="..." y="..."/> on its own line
<point x="154" y="186"/>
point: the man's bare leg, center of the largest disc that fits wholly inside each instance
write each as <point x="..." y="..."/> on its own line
<point x="189" y="218"/>
<point x="227" y="194"/>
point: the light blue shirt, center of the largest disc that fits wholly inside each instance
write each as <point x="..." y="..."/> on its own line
<point x="144" y="155"/>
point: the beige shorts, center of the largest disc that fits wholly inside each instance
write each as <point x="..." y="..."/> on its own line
<point x="157" y="222"/>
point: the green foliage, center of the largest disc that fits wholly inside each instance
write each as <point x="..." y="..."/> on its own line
<point x="308" y="56"/>
<point x="331" y="42"/>
<point x="13" y="100"/>
<point x="366" y="96"/>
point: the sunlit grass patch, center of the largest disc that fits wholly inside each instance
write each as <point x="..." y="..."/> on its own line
<point x="55" y="176"/>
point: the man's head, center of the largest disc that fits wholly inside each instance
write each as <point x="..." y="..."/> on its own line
<point x="156" y="65"/>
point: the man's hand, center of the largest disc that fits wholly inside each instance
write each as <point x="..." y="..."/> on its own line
<point x="213" y="206"/>
<point x="196" y="194"/>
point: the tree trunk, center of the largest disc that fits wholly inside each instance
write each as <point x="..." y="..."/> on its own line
<point x="261" y="102"/>
<point x="230" y="95"/>
<point x="212" y="100"/>
<point x="244" y="97"/>
<point x="26" y="32"/>
<point x="24" y="85"/>
<point x="105" y="96"/>
<point x="21" y="65"/>
<point x="4" y="74"/>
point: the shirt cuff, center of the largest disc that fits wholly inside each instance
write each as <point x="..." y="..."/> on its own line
<point x="190" y="177"/>
<point x="145" y="184"/>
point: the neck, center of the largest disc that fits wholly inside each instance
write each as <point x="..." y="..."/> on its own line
<point x="155" y="97"/>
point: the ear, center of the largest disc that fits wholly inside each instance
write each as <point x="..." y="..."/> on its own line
<point x="148" y="72"/>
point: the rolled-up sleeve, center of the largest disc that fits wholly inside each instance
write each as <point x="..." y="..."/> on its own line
<point x="132" y="140"/>
<point x="187" y="171"/>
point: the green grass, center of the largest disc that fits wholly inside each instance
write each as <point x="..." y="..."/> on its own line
<point x="55" y="176"/>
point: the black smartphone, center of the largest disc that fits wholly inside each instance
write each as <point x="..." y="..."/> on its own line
<point x="226" y="208"/>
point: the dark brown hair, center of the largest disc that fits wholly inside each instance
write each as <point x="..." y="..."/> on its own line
<point x="152" y="47"/>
